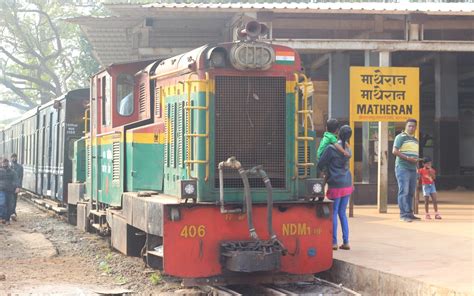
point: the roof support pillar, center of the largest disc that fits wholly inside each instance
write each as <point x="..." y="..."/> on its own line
<point x="339" y="64"/>
<point x="382" y="153"/>
<point x="370" y="59"/>
<point x="446" y="146"/>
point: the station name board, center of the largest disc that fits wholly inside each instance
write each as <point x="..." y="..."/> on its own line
<point x="384" y="93"/>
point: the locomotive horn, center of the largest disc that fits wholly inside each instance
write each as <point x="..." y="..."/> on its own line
<point x="252" y="29"/>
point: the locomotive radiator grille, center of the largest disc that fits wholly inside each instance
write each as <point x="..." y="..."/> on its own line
<point x="179" y="133"/>
<point x="167" y="135"/>
<point x="142" y="99"/>
<point x="89" y="159"/>
<point x="250" y="124"/>
<point x="158" y="102"/>
<point x="116" y="161"/>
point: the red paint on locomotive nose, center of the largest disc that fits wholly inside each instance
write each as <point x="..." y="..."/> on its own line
<point x="191" y="245"/>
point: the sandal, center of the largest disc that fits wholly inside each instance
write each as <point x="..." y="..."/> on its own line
<point x="334" y="247"/>
<point x="438" y="216"/>
<point x="345" y="247"/>
<point x="428" y="217"/>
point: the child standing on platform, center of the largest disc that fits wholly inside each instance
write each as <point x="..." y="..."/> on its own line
<point x="330" y="138"/>
<point x="428" y="175"/>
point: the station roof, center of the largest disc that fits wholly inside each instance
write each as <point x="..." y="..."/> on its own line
<point x="160" y="30"/>
<point x="297" y="7"/>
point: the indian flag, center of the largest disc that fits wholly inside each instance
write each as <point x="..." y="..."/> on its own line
<point x="285" y="57"/>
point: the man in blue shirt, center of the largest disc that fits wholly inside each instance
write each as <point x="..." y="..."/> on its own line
<point x="405" y="148"/>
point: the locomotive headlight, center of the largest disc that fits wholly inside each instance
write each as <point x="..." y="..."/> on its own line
<point x="263" y="56"/>
<point x="246" y="56"/>
<point x="315" y="187"/>
<point x="252" y="55"/>
<point x="217" y="57"/>
<point x="187" y="189"/>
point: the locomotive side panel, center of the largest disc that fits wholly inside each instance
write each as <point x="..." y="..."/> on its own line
<point x="174" y="103"/>
<point x="144" y="149"/>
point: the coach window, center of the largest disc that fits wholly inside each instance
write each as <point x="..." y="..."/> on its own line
<point x="125" y="94"/>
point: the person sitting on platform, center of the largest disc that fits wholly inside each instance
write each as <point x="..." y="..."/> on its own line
<point x="428" y="175"/>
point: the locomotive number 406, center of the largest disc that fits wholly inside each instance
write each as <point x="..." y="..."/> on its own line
<point x="191" y="231"/>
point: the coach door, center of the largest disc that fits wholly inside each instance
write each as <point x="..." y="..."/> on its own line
<point x="55" y="146"/>
<point x="41" y="152"/>
<point x="48" y="147"/>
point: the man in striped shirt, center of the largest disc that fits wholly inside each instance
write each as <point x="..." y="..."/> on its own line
<point x="405" y="148"/>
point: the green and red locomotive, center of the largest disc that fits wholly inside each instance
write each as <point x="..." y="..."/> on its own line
<point x="204" y="164"/>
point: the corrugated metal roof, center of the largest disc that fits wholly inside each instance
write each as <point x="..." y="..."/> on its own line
<point x="338" y="7"/>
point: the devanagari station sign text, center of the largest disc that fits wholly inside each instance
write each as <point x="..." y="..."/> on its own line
<point x="384" y="93"/>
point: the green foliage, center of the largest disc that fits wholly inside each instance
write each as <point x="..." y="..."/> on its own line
<point x="121" y="280"/>
<point x="156" y="278"/>
<point x="109" y="256"/>
<point x="105" y="267"/>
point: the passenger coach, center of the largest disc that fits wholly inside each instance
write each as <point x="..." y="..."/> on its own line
<point x="43" y="138"/>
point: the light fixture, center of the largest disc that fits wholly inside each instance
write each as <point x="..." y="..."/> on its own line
<point x="315" y="187"/>
<point x="217" y="57"/>
<point x="252" y="55"/>
<point x="187" y="189"/>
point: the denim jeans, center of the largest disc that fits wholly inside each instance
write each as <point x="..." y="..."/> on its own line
<point x="12" y="204"/>
<point x="406" y="190"/>
<point x="4" y="206"/>
<point x="339" y="209"/>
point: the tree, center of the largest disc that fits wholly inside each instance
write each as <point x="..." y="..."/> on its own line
<point x="41" y="56"/>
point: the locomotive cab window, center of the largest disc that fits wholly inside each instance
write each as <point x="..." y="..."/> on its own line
<point x="125" y="96"/>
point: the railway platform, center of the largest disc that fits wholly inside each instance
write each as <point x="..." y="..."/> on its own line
<point x="425" y="257"/>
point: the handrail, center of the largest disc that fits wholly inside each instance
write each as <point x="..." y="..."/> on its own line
<point x="86" y="118"/>
<point x="190" y="134"/>
<point x="306" y="165"/>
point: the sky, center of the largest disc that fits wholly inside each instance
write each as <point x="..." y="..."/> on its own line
<point x="7" y="112"/>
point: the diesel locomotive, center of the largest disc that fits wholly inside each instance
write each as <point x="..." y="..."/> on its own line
<point x="203" y="164"/>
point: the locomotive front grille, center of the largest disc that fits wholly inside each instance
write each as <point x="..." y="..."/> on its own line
<point x="250" y="124"/>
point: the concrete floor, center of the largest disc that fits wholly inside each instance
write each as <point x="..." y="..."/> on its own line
<point x="436" y="252"/>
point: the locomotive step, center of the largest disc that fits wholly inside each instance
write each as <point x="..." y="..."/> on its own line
<point x="157" y="251"/>
<point x="97" y="226"/>
<point x="50" y="205"/>
<point x="98" y="213"/>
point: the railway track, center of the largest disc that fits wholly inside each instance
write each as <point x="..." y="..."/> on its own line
<point x="316" y="287"/>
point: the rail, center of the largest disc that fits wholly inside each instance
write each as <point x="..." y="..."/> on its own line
<point x="316" y="286"/>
